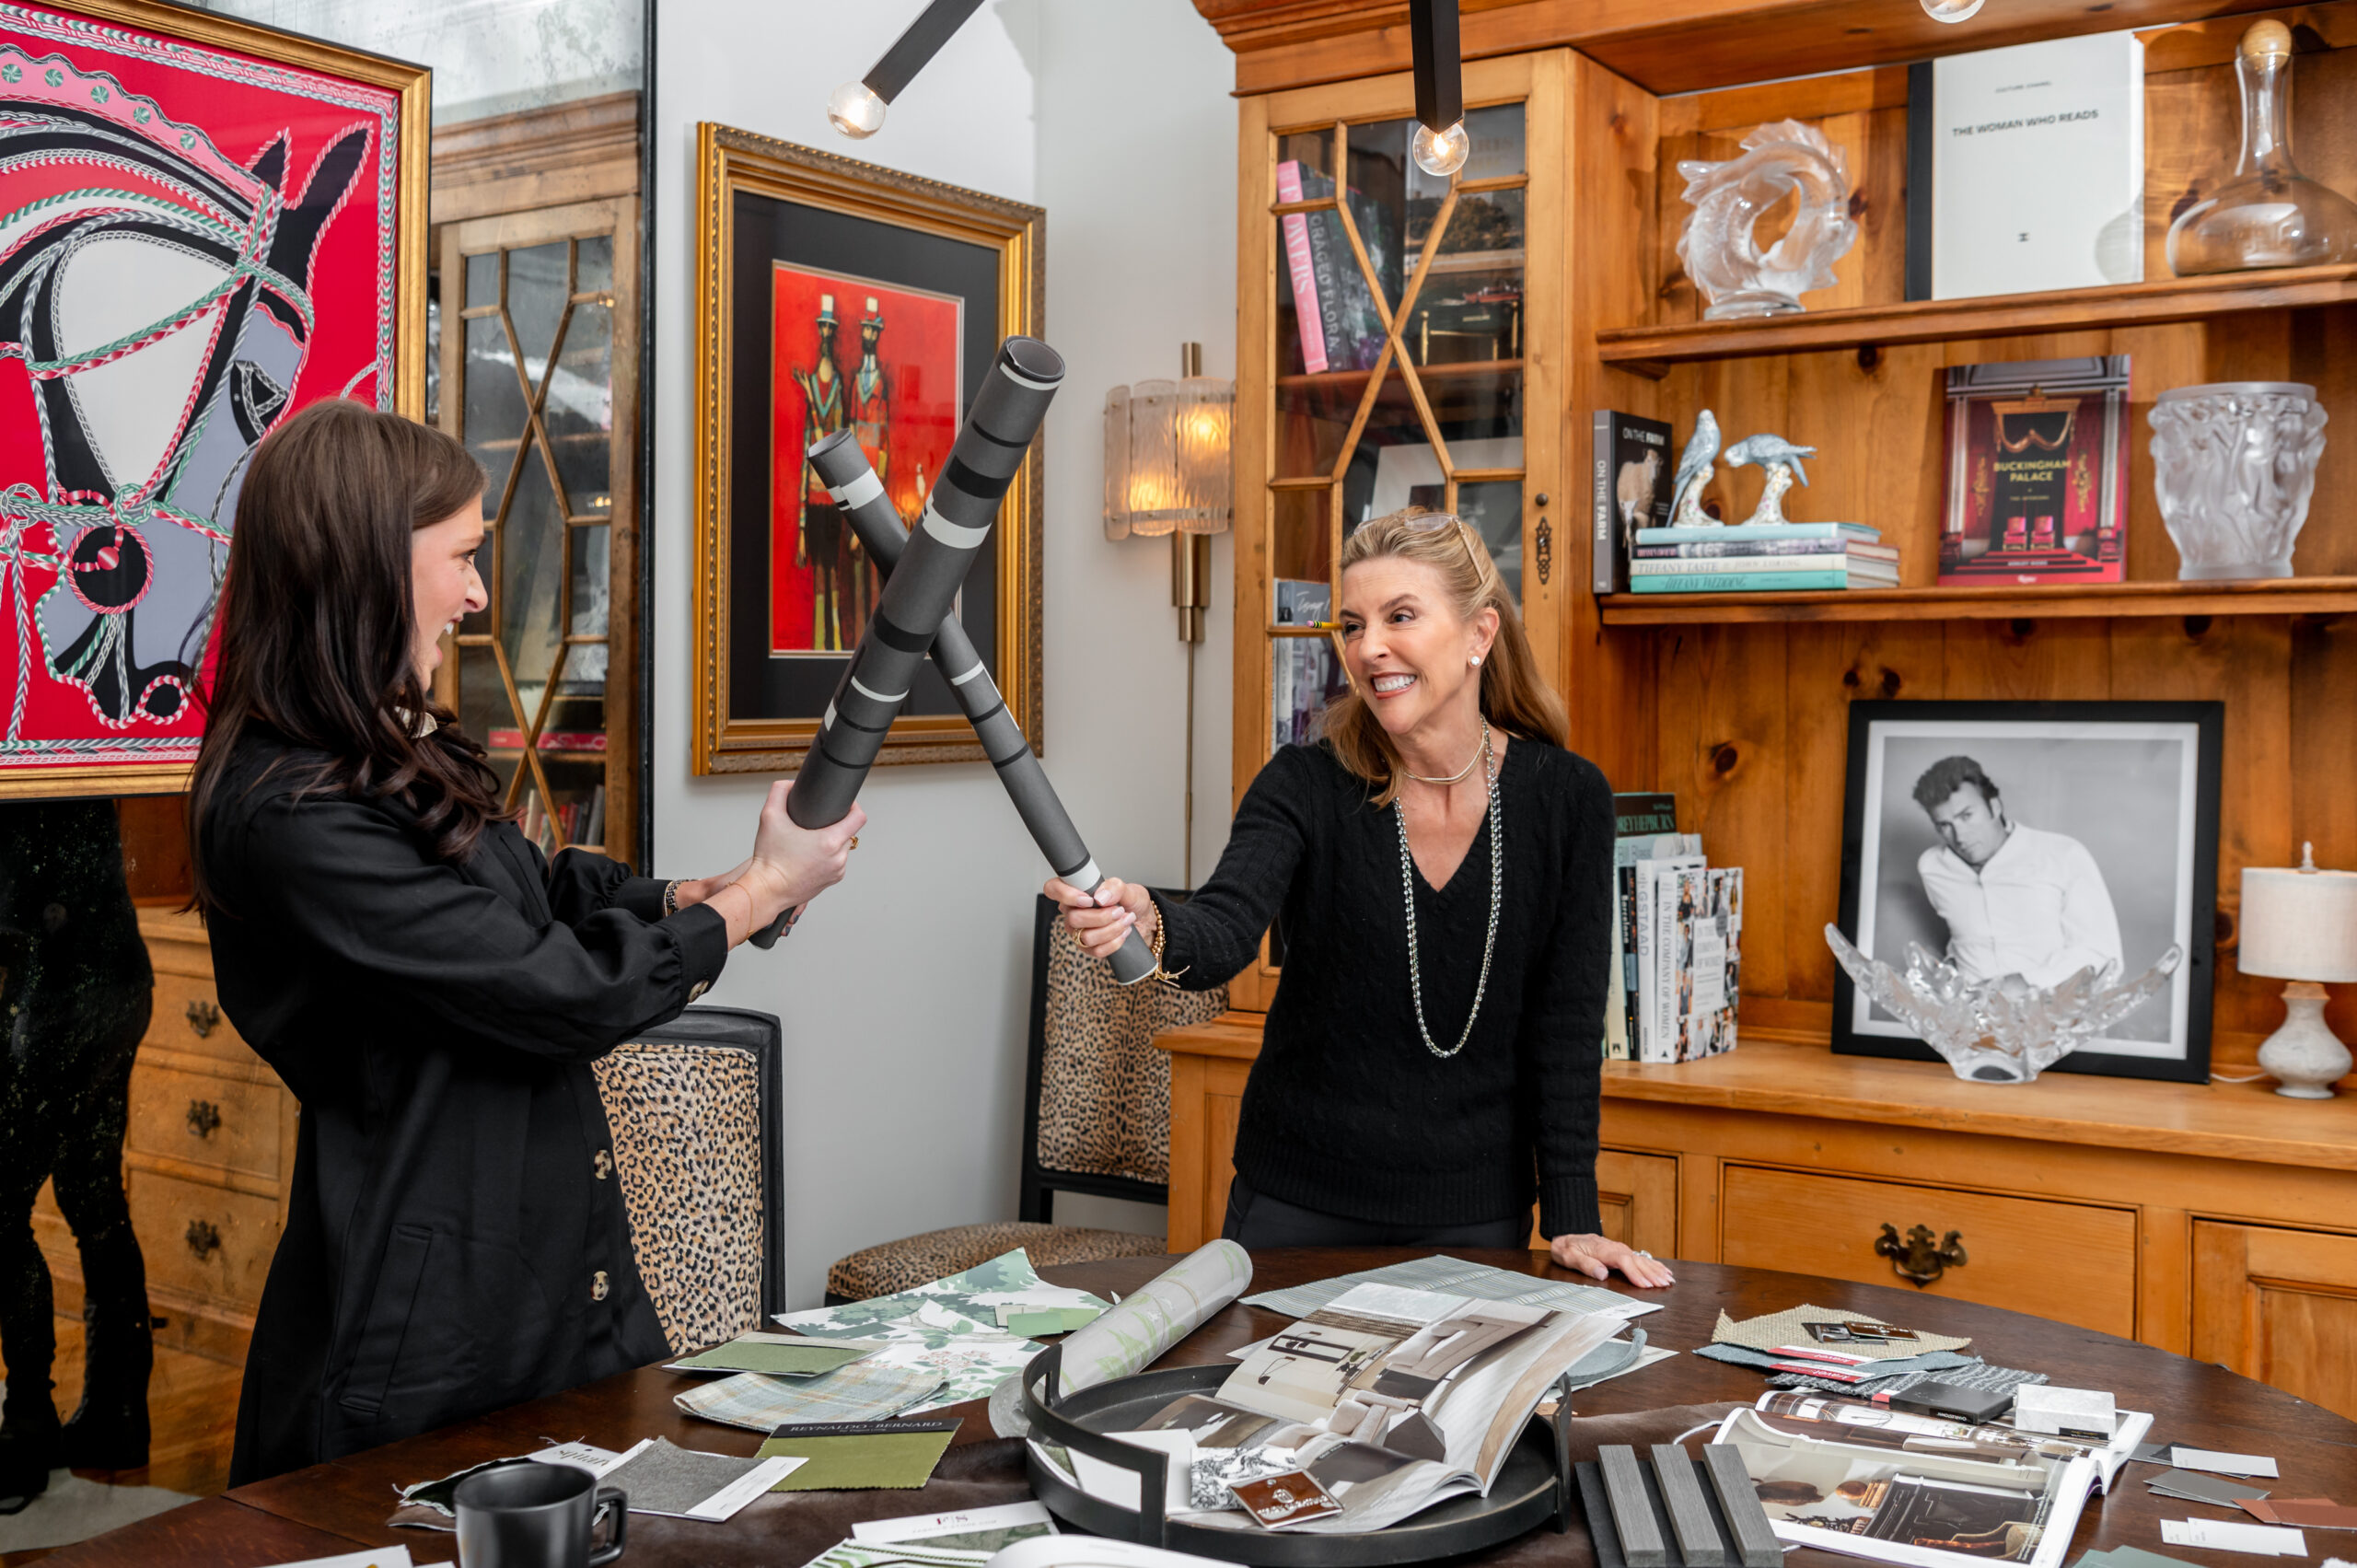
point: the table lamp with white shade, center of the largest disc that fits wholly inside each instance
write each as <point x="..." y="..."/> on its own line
<point x="2300" y="926"/>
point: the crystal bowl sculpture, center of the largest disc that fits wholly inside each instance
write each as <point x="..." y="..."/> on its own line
<point x="2234" y="466"/>
<point x="1722" y="253"/>
<point x="1992" y="1032"/>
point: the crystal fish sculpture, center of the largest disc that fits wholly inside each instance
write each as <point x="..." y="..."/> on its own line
<point x="1720" y="248"/>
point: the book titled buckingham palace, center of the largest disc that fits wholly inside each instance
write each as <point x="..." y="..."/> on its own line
<point x="2037" y="472"/>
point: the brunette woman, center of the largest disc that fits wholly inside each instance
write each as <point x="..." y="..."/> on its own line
<point x="431" y="989"/>
<point x="1439" y="867"/>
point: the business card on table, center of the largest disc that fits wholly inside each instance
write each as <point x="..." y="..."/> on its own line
<point x="2187" y="1459"/>
<point x="2197" y="1488"/>
<point x="2266" y="1541"/>
<point x="1291" y="1497"/>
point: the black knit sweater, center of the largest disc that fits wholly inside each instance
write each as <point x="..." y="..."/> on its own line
<point x="1346" y="1111"/>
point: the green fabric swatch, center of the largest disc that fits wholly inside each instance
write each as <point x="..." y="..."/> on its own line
<point x="805" y="1359"/>
<point x="1032" y="1322"/>
<point x="861" y="1456"/>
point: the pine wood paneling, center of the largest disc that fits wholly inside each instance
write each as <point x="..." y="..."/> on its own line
<point x="2280" y="1305"/>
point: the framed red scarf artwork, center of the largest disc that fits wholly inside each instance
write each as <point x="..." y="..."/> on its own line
<point x="205" y="225"/>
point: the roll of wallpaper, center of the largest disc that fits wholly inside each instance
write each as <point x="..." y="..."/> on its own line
<point x="1129" y="1337"/>
<point x="859" y="494"/>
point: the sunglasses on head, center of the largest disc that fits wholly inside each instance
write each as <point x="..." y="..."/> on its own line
<point x="1433" y="522"/>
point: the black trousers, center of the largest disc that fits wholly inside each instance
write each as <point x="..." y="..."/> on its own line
<point x="1255" y="1219"/>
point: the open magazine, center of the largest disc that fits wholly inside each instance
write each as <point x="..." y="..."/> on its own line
<point x="1850" y="1476"/>
<point x="1388" y="1400"/>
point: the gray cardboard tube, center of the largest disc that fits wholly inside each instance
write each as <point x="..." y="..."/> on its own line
<point x="843" y="466"/>
<point x="1008" y="411"/>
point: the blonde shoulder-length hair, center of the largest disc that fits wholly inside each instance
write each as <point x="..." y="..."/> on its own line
<point x="1514" y="696"/>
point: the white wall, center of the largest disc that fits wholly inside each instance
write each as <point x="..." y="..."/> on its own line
<point x="904" y="992"/>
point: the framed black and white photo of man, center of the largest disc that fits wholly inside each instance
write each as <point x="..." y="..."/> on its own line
<point x="2024" y="841"/>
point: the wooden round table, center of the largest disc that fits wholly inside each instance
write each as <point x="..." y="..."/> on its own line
<point x="342" y="1507"/>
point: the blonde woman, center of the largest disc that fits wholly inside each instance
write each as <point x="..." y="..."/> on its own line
<point x="1439" y="867"/>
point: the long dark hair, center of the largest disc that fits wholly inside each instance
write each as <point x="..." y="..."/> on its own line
<point x="317" y="620"/>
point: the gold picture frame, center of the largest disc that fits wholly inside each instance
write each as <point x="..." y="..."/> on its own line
<point x="105" y="30"/>
<point x="816" y="191"/>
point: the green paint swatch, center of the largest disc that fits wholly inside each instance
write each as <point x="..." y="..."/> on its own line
<point x="1032" y="1322"/>
<point x="775" y="1355"/>
<point x="861" y="1456"/>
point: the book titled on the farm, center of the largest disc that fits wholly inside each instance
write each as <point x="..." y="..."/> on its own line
<point x="1731" y="533"/>
<point x="1630" y="484"/>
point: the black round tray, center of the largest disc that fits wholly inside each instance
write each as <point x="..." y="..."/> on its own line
<point x="1534" y="1488"/>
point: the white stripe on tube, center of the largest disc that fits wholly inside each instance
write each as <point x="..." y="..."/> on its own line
<point x="875" y="696"/>
<point x="1087" y="877"/>
<point x="961" y="679"/>
<point x="864" y="488"/>
<point x="950" y="533"/>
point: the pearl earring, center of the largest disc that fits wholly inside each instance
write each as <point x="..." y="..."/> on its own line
<point x="1477" y="659"/>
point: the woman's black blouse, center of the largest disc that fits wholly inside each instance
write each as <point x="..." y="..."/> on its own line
<point x="1347" y="1112"/>
<point x="454" y="1240"/>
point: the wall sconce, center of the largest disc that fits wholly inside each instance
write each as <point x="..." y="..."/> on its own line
<point x="1166" y="471"/>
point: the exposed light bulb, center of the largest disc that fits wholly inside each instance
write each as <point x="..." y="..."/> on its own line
<point x="1951" y="10"/>
<point x="1441" y="152"/>
<point x="855" y="109"/>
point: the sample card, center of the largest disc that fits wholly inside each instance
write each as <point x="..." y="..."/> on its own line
<point x="1291" y="1497"/>
<point x="2202" y="1488"/>
<point x="860" y="1455"/>
<point x="2224" y="1464"/>
<point x="2267" y="1540"/>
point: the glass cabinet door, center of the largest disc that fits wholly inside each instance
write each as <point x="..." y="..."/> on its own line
<point x="535" y="331"/>
<point x="1398" y="360"/>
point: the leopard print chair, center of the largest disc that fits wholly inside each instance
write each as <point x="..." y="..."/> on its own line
<point x="1098" y="1121"/>
<point x="692" y="1106"/>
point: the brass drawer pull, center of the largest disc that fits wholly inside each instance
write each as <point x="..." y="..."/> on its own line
<point x="203" y="1017"/>
<point x="203" y="1239"/>
<point x="1916" y="1259"/>
<point x="204" y="1116"/>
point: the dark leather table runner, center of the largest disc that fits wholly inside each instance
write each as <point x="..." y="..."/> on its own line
<point x="343" y="1505"/>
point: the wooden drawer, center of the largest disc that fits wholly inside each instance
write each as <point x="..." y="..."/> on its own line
<point x="226" y="1120"/>
<point x="2071" y="1263"/>
<point x="203" y="1242"/>
<point x="188" y="1016"/>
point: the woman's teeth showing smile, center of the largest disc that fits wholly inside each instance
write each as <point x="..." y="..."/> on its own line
<point x="1392" y="685"/>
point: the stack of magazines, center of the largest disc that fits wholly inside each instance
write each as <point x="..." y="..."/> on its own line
<point x="1677" y="944"/>
<point x="1761" y="558"/>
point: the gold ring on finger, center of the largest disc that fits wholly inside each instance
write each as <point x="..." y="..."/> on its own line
<point x="855" y="842"/>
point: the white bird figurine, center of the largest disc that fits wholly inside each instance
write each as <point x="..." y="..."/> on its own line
<point x="1782" y="461"/>
<point x="1694" y="474"/>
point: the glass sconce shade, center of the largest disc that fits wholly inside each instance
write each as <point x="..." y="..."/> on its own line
<point x="2269" y="214"/>
<point x="855" y="110"/>
<point x="1166" y="464"/>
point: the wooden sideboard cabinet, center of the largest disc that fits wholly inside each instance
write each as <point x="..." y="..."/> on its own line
<point x="207" y="1159"/>
<point x="2218" y="1219"/>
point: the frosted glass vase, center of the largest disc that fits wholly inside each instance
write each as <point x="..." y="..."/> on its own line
<point x="2233" y="468"/>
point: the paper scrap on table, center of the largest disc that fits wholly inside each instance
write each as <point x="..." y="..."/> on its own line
<point x="982" y="1530"/>
<point x="778" y="1355"/>
<point x="1033" y="1322"/>
<point x="1111" y="1483"/>
<point x="2187" y="1459"/>
<point x="2304" y="1513"/>
<point x="865" y="1456"/>
<point x="687" y="1484"/>
<point x="2214" y="1535"/>
<point x="385" y="1557"/>
<point x="2198" y="1488"/>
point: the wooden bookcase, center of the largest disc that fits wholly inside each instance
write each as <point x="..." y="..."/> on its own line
<point x="1736" y="702"/>
<point x="2217" y="1219"/>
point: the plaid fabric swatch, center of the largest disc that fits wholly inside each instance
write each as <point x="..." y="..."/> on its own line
<point x="862" y="1391"/>
<point x="1787" y="1327"/>
<point x="1454" y="1276"/>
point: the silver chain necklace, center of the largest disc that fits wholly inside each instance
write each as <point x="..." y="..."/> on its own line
<point x="1497" y="888"/>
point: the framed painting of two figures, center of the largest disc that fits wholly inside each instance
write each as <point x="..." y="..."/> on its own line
<point x="832" y="295"/>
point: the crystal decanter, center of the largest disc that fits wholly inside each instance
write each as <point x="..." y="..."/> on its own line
<point x="2269" y="215"/>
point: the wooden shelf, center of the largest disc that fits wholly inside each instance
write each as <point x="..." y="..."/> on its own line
<point x="2276" y="595"/>
<point x="1650" y="351"/>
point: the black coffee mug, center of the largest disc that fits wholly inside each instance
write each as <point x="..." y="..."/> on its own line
<point x="528" y="1515"/>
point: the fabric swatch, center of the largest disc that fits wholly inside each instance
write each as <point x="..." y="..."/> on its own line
<point x="659" y="1477"/>
<point x="778" y="1355"/>
<point x="861" y="1456"/>
<point x="862" y="1391"/>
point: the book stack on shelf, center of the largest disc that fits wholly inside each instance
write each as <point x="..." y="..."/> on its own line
<point x="581" y="821"/>
<point x="1761" y="558"/>
<point x="1677" y="943"/>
